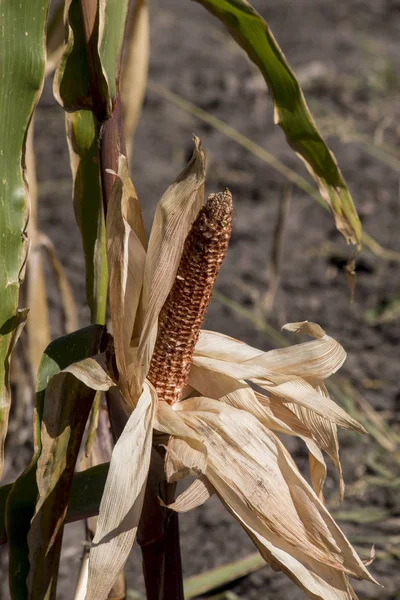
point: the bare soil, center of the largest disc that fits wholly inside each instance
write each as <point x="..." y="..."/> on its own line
<point x="347" y="56"/>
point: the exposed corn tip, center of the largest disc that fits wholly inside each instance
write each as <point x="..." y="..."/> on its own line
<point x="184" y="310"/>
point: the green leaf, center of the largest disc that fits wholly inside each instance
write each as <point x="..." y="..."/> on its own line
<point x="55" y="38"/>
<point x="82" y="134"/>
<point x="112" y="17"/>
<point x="291" y="112"/>
<point x="367" y="514"/>
<point x="72" y="77"/>
<point x="84" y="498"/>
<point x="66" y="429"/>
<point x="88" y="73"/>
<point x="22" y="58"/>
<point x="215" y="578"/>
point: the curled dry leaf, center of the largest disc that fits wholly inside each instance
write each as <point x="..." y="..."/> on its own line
<point x="233" y="469"/>
<point x="184" y="459"/>
<point x="288" y="388"/>
<point x="316" y="579"/>
<point x="122" y="500"/>
<point x="313" y="361"/>
<point x="260" y="475"/>
<point x="126" y="262"/>
<point x="195" y="495"/>
<point x="93" y="372"/>
<point x="238" y="394"/>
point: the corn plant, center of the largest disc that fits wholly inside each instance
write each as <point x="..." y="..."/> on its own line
<point x="173" y="400"/>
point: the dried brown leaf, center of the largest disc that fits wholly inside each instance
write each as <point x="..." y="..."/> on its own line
<point x="122" y="500"/>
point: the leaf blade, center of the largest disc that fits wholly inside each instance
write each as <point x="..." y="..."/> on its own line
<point x="120" y="512"/>
<point x="252" y="33"/>
<point x="112" y="17"/>
<point x="22" y="63"/>
<point x="82" y="136"/>
<point x="21" y="500"/>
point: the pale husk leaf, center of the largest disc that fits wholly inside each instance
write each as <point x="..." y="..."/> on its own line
<point x="186" y="455"/>
<point x="327" y="437"/>
<point x="129" y="201"/>
<point x="93" y="372"/>
<point x="324" y="433"/>
<point x="301" y="393"/>
<point x="289" y="388"/>
<point x="184" y="458"/>
<point x="314" y="360"/>
<point x="318" y="581"/>
<point x="317" y="467"/>
<point x="174" y="216"/>
<point x="167" y="420"/>
<point x="283" y="413"/>
<point x="238" y="394"/>
<point x="126" y="260"/>
<point x="195" y="495"/>
<point x="319" y="359"/>
<point x="259" y="473"/>
<point x="300" y="427"/>
<point x="122" y="500"/>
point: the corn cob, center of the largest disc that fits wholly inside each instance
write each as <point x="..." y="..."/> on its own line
<point x="184" y="309"/>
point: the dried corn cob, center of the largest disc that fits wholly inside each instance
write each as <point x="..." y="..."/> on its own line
<point x="184" y="310"/>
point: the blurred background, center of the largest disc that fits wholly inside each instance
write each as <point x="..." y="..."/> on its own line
<point x="286" y="260"/>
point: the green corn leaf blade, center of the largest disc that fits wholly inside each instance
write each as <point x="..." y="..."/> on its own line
<point x="86" y="492"/>
<point x="82" y="134"/>
<point x="64" y="420"/>
<point x="9" y="334"/>
<point x="4" y="493"/>
<point x="71" y="85"/>
<point x="215" y="578"/>
<point x="252" y="33"/>
<point x="367" y="515"/>
<point x="112" y="18"/>
<point x="55" y="39"/>
<point x="79" y="84"/>
<point x="22" y="61"/>
<point x="84" y="498"/>
<point x="67" y="407"/>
